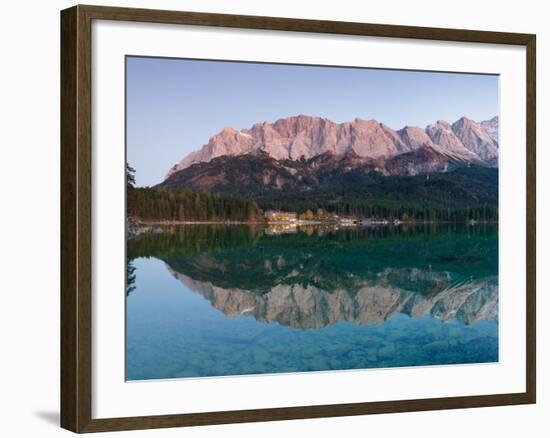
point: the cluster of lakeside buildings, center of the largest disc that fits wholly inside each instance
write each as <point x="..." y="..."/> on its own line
<point x="291" y="218"/>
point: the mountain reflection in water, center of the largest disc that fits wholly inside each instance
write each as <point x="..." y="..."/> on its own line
<point x="373" y="302"/>
<point x="314" y="278"/>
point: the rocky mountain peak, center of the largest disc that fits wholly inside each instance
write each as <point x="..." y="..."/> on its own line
<point x="415" y="137"/>
<point x="476" y="139"/>
<point x="491" y="126"/>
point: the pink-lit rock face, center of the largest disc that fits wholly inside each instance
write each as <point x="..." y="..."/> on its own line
<point x="306" y="136"/>
<point x="491" y="126"/>
<point x="476" y="139"/>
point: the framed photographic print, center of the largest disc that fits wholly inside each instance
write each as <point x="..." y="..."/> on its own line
<point x="269" y="218"/>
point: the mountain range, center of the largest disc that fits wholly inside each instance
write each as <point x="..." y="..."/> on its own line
<point x="306" y="162"/>
<point x="361" y="143"/>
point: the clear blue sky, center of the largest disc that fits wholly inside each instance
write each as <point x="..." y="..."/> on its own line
<point x="174" y="106"/>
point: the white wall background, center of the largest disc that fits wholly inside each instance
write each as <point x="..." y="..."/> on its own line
<point x="29" y="220"/>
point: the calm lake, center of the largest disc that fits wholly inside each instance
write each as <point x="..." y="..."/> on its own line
<point x="217" y="300"/>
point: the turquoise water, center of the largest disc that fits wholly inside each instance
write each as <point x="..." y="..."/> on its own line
<point x="233" y="300"/>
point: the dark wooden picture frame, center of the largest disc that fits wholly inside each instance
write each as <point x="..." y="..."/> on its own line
<point x="76" y="218"/>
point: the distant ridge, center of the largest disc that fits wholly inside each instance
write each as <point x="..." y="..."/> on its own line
<point x="305" y="137"/>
